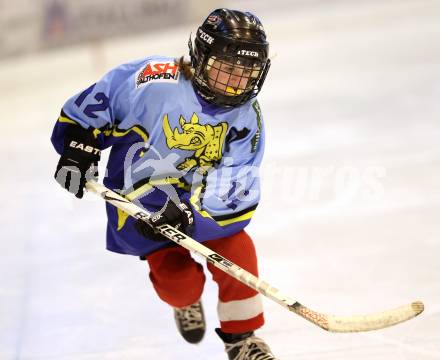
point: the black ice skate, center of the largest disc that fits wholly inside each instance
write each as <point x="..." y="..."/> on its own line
<point x="190" y="321"/>
<point x="245" y="346"/>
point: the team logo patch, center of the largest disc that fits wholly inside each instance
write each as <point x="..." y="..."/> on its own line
<point x="206" y="141"/>
<point x="213" y="20"/>
<point x="157" y="72"/>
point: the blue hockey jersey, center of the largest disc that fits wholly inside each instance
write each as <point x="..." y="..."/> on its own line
<point x="166" y="141"/>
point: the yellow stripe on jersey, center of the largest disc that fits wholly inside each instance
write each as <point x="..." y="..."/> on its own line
<point x="119" y="132"/>
<point x="243" y="217"/>
<point x="64" y="119"/>
<point x="112" y="131"/>
<point x="146" y="187"/>
<point x="194" y="200"/>
<point x="123" y="216"/>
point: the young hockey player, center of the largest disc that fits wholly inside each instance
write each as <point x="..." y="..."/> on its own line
<point x="186" y="142"/>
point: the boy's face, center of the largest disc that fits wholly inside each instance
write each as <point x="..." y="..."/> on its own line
<point x="227" y="78"/>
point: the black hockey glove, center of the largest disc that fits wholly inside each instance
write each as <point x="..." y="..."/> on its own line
<point x="180" y="216"/>
<point x="79" y="161"/>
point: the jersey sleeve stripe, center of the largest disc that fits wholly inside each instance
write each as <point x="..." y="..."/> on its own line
<point x="116" y="132"/>
<point x="63" y="118"/>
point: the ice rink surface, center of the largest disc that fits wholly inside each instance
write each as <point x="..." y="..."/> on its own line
<point x="349" y="220"/>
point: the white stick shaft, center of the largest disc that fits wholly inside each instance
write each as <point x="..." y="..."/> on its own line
<point x="327" y="322"/>
<point x="190" y="244"/>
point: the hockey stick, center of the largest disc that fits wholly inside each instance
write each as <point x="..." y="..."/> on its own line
<point x="327" y="322"/>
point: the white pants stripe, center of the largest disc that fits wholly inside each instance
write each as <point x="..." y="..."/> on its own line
<point x="240" y="309"/>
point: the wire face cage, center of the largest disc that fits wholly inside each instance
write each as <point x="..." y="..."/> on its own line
<point x="229" y="80"/>
<point x="231" y="76"/>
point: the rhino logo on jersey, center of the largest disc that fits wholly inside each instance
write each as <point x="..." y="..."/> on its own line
<point x="205" y="140"/>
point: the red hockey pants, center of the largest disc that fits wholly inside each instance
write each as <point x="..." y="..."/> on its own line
<point x="178" y="280"/>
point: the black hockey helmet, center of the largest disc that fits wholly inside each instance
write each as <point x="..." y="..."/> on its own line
<point x="229" y="37"/>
